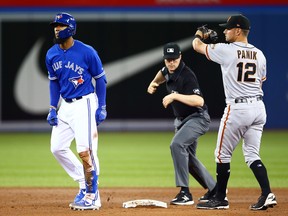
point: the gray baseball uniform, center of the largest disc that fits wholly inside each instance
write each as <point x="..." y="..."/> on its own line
<point x="243" y="71"/>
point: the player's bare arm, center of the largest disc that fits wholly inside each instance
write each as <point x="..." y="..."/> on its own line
<point x="190" y="100"/>
<point x="159" y="79"/>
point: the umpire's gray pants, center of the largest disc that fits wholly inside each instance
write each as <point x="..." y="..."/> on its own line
<point x="183" y="150"/>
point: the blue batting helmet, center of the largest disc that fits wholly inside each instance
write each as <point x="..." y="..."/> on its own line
<point x="68" y="20"/>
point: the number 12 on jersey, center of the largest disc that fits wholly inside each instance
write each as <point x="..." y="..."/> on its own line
<point x="245" y="71"/>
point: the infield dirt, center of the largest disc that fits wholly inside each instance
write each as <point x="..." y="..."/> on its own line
<point x="55" y="201"/>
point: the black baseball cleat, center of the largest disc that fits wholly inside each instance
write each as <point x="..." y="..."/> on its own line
<point x="265" y="202"/>
<point x="213" y="204"/>
<point x="210" y="195"/>
<point x="207" y="196"/>
<point x="182" y="198"/>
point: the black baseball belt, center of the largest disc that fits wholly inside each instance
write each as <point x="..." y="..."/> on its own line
<point x="245" y="99"/>
<point x="70" y="100"/>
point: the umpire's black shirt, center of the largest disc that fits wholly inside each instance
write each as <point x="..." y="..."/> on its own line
<point x="183" y="81"/>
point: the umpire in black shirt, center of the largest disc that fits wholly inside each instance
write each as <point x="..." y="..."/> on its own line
<point x="191" y="121"/>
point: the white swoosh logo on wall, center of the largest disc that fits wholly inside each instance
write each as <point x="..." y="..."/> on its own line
<point x="131" y="65"/>
<point x="31" y="87"/>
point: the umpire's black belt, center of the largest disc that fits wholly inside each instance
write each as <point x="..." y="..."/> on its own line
<point x="245" y="99"/>
<point x="70" y="100"/>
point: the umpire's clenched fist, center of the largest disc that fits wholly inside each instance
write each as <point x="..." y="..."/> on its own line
<point x="152" y="87"/>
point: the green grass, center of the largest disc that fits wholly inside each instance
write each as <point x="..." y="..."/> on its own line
<point x="131" y="159"/>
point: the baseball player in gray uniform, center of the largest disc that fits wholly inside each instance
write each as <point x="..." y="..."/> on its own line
<point x="192" y="120"/>
<point x="243" y="72"/>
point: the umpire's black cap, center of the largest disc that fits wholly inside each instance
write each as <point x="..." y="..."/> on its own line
<point x="171" y="51"/>
<point x="237" y="21"/>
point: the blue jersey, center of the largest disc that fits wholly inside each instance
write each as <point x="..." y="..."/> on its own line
<point x="74" y="68"/>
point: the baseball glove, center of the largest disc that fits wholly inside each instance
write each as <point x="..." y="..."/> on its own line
<point x="213" y="36"/>
<point x="203" y="29"/>
<point x="209" y="35"/>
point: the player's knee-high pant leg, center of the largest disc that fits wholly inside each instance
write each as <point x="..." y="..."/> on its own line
<point x="60" y="147"/>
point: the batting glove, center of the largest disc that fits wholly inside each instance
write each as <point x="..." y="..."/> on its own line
<point x="101" y="114"/>
<point x="52" y="117"/>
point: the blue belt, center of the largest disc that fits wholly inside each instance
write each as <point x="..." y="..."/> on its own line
<point x="70" y="100"/>
<point x="245" y="99"/>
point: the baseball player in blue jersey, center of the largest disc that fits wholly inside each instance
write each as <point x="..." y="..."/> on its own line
<point x="71" y="65"/>
<point x="243" y="69"/>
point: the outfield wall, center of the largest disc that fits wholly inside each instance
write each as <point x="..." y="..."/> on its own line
<point x="129" y="42"/>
